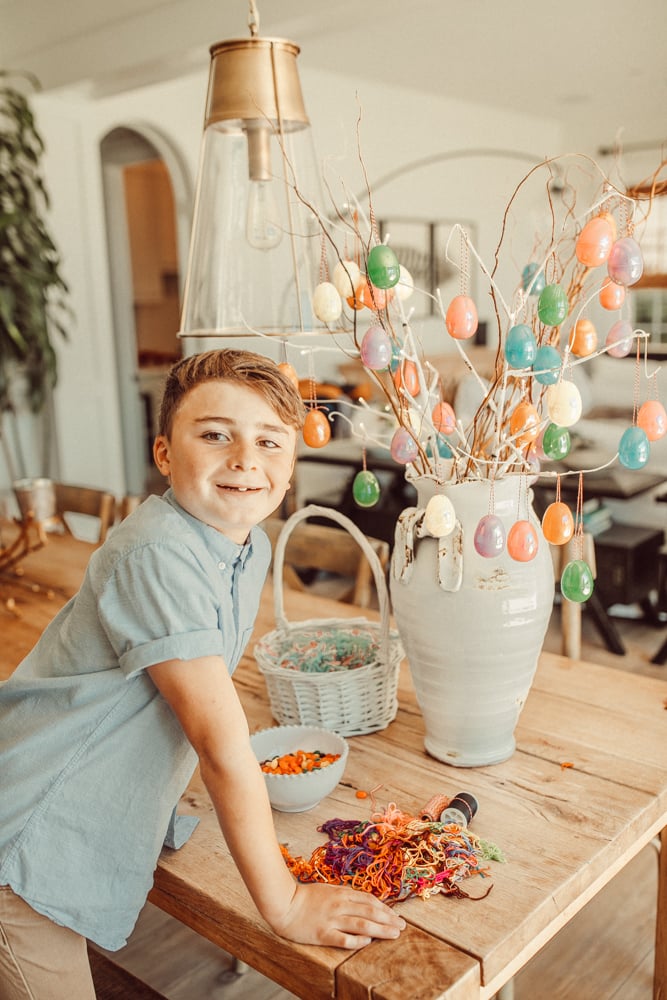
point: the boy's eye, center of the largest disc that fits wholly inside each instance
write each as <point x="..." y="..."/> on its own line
<point x="268" y="443"/>
<point x="215" y="436"/>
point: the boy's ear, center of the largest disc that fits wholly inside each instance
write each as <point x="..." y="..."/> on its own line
<point x="161" y="454"/>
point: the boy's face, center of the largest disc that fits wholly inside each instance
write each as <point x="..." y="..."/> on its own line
<point x="229" y="458"/>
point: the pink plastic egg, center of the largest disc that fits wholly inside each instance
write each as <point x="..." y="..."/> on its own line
<point x="461" y="317"/>
<point x="652" y="418"/>
<point x="406" y="377"/>
<point x="611" y="295"/>
<point x="619" y="338"/>
<point x="522" y="541"/>
<point x="594" y="242"/>
<point x="444" y="418"/>
<point x="489" y="538"/>
<point x="625" y="264"/>
<point x="403" y="447"/>
<point x="376" y="349"/>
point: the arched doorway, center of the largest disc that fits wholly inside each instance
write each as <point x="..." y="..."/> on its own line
<point x="147" y="197"/>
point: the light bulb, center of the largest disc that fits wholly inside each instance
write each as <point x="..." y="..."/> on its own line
<point x="262" y="229"/>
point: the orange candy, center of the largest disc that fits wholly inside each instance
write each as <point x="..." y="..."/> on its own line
<point x="316" y="429"/>
<point x="584" y="338"/>
<point x="558" y="523"/>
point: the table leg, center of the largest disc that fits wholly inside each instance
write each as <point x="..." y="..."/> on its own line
<point x="660" y="971"/>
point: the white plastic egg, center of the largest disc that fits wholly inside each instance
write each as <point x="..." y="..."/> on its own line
<point x="327" y="304"/>
<point x="439" y="516"/>
<point x="406" y="284"/>
<point x="564" y="403"/>
<point x="346" y="276"/>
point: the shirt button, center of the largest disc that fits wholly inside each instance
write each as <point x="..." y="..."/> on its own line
<point x="222" y="565"/>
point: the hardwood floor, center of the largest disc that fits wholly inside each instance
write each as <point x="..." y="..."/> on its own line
<point x="605" y="953"/>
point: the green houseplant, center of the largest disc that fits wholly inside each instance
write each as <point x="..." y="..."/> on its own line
<point x="33" y="292"/>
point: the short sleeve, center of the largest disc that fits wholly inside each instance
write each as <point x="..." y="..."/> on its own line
<point x="160" y="604"/>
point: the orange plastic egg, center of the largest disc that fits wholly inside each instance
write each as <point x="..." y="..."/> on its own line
<point x="558" y="523"/>
<point x="372" y="297"/>
<point x="461" y="318"/>
<point x="406" y="377"/>
<point x="524" y="424"/>
<point x="652" y="419"/>
<point x="522" y="543"/>
<point x="612" y="295"/>
<point x="316" y="429"/>
<point x="609" y="218"/>
<point x="584" y="338"/>
<point x="594" y="242"/>
<point x="286" y="368"/>
<point x="356" y="301"/>
<point x="444" y="418"/>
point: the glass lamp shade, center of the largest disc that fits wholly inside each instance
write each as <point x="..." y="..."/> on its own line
<point x="255" y="246"/>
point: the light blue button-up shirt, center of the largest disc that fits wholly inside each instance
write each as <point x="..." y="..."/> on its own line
<point x="92" y="758"/>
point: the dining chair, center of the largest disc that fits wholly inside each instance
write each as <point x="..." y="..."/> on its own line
<point x="328" y="561"/>
<point x="72" y="501"/>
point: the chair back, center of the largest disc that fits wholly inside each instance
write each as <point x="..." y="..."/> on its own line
<point x="94" y="503"/>
<point x="315" y="547"/>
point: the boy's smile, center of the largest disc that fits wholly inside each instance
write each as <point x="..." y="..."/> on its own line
<point x="229" y="457"/>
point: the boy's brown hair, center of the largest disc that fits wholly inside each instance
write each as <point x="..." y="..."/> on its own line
<point x="244" y="367"/>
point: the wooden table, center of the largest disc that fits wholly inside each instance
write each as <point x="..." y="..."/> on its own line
<point x="566" y="831"/>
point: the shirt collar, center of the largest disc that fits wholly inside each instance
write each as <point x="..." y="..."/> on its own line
<point x="218" y="544"/>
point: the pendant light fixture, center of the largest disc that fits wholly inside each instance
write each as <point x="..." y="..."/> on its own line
<point x="255" y="247"/>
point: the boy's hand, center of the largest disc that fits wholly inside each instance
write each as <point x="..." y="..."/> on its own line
<point x="337" y="916"/>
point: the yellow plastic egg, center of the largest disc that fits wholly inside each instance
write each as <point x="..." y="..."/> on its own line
<point x="564" y="403"/>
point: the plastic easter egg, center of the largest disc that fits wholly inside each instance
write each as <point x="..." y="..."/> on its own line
<point x="556" y="442"/>
<point x="552" y="305"/>
<point x="382" y="267"/>
<point x="365" y="489"/>
<point x="444" y="418"/>
<point x="546" y="367"/>
<point x="376" y="348"/>
<point x="442" y="447"/>
<point x="406" y="377"/>
<point x="652" y="419"/>
<point x="576" y="582"/>
<point x="461" y="317"/>
<point x="289" y="372"/>
<point x="634" y="448"/>
<point x="625" y="264"/>
<point x="346" y="277"/>
<point x="594" y="242"/>
<point x="558" y="523"/>
<point x="522" y="543"/>
<point x="584" y="338"/>
<point x="564" y="404"/>
<point x="327" y="304"/>
<point x="373" y="297"/>
<point x="403" y="446"/>
<point x="439" y="516"/>
<point x="524" y="424"/>
<point x="619" y="338"/>
<point x="532" y="281"/>
<point x="489" y="538"/>
<point x="611" y="295"/>
<point x="611" y="222"/>
<point x="406" y="284"/>
<point x="316" y="429"/>
<point x="520" y="346"/>
<point x="357" y="301"/>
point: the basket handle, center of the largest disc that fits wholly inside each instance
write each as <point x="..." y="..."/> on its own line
<point x="313" y="510"/>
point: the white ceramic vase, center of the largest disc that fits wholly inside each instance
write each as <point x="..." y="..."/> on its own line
<point x="472" y="627"/>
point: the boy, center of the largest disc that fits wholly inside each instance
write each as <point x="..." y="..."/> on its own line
<point x="102" y="724"/>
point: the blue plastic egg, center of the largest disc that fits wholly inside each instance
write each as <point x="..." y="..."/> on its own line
<point x="376" y="348"/>
<point x="546" y="367"/>
<point x="625" y="264"/>
<point x="634" y="448"/>
<point x="520" y="346"/>
<point x="530" y="279"/>
<point x="489" y="538"/>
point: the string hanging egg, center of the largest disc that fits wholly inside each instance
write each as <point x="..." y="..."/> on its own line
<point x="558" y="523"/>
<point x="316" y="429"/>
<point x="382" y="267"/>
<point x="576" y="582"/>
<point x="564" y="404"/>
<point x="289" y="372"/>
<point x="365" y="488"/>
<point x="652" y="418"/>
<point x="619" y="338"/>
<point x="532" y="279"/>
<point x="524" y="424"/>
<point x="346" y="277"/>
<point x="522" y="542"/>
<point x="552" y="305"/>
<point x="461" y="318"/>
<point x="406" y="284"/>
<point x="611" y="295"/>
<point x="520" y="346"/>
<point x="584" y="338"/>
<point x="634" y="448"/>
<point x="546" y="367"/>
<point x="403" y="447"/>
<point x="625" y="264"/>
<point x="594" y="242"/>
<point x="556" y="442"/>
<point x="406" y="377"/>
<point x="439" y="516"/>
<point x="327" y="304"/>
<point x="444" y="418"/>
<point x="490" y="537"/>
<point x="376" y="348"/>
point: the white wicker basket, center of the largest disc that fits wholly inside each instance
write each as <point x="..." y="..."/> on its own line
<point x="338" y="694"/>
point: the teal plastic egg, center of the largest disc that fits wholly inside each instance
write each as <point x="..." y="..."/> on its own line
<point x="634" y="448"/>
<point x="546" y="367"/>
<point x="383" y="268"/>
<point x="552" y="305"/>
<point x="489" y="538"/>
<point x="376" y="349"/>
<point x="531" y="281"/>
<point x="403" y="447"/>
<point x="520" y="346"/>
<point x="576" y="583"/>
<point x="444" y="450"/>
<point x="625" y="264"/>
<point x="365" y="489"/>
<point x="556" y="442"/>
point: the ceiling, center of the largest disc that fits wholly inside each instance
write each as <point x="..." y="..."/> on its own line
<point x="596" y="65"/>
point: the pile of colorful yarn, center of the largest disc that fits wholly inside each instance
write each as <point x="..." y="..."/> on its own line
<point x="395" y="856"/>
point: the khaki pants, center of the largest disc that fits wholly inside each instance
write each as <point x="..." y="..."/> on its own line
<point x="40" y="960"/>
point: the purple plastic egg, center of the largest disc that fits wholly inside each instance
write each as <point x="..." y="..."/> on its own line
<point x="403" y="447"/>
<point x="619" y="339"/>
<point x="376" y="349"/>
<point x="489" y="539"/>
<point x="625" y="264"/>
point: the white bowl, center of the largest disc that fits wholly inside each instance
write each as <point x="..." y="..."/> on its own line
<point x="298" y="792"/>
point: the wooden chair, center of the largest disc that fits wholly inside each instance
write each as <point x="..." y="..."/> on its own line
<point x="313" y="549"/>
<point x="127" y="504"/>
<point x="94" y="503"/>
